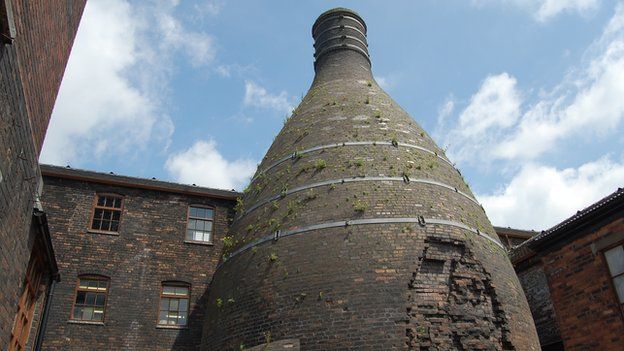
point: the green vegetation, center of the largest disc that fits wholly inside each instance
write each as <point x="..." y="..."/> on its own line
<point x="320" y="164"/>
<point x="359" y="206"/>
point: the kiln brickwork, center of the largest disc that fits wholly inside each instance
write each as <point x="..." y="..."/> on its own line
<point x="149" y="249"/>
<point x="352" y="211"/>
<point x="32" y="61"/>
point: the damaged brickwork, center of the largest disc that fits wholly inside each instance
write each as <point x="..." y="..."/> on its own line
<point x="452" y="303"/>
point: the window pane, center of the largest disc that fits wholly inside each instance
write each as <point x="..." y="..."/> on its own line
<point x="102" y="285"/>
<point x="173" y="318"/>
<point x="109" y="202"/>
<point x="169" y="290"/>
<point x="101" y="200"/>
<point x="105" y="225"/>
<point x="87" y="313"/>
<point x="164" y="304"/>
<point x="83" y="283"/>
<point x="100" y="299"/>
<point x="198" y="236"/>
<point x="182" y="319"/>
<point x="181" y="290"/>
<point x="118" y="202"/>
<point x="93" y="284"/>
<point x="619" y="287"/>
<point x="98" y="213"/>
<point x="77" y="312"/>
<point x="189" y="234"/>
<point x="98" y="314"/>
<point x="208" y="226"/>
<point x="173" y="304"/>
<point x="162" y="318"/>
<point x="90" y="300"/>
<point x="191" y="224"/>
<point x="183" y="306"/>
<point x="116" y="215"/>
<point x="199" y="212"/>
<point x="209" y="213"/>
<point x="114" y="226"/>
<point x="193" y="211"/>
<point x="80" y="297"/>
<point x="108" y="214"/>
<point x="615" y="260"/>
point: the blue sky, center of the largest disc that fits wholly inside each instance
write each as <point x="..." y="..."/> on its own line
<point x="526" y="95"/>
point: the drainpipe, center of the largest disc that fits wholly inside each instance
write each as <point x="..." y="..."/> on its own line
<point x="46" y="312"/>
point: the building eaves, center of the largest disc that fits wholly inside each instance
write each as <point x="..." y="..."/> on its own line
<point x="600" y="209"/>
<point x="515" y="233"/>
<point x="135" y="182"/>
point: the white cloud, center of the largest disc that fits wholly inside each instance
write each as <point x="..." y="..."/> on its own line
<point x="113" y="95"/>
<point x="494" y="107"/>
<point x="544" y="10"/>
<point x="587" y="103"/>
<point x="548" y="9"/>
<point x="199" y="47"/>
<point x="258" y="96"/>
<point x="515" y="133"/>
<point x="202" y="164"/>
<point x="540" y="196"/>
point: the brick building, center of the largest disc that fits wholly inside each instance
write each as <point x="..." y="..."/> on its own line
<point x="511" y="237"/>
<point x="35" y="41"/>
<point x="573" y="277"/>
<point x="136" y="256"/>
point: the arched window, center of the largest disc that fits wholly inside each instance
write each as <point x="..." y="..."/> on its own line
<point x="174" y="304"/>
<point x="91" y="296"/>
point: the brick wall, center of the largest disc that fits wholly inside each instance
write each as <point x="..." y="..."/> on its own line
<point x="535" y="286"/>
<point x="30" y="72"/>
<point x="586" y="306"/>
<point x="48" y="28"/>
<point x="149" y="249"/>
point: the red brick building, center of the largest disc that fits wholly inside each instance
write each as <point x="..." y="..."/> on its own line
<point x="573" y="277"/>
<point x="35" y="41"/>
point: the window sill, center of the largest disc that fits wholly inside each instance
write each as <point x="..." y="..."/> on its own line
<point x="72" y="321"/>
<point x="91" y="231"/>
<point x="177" y="327"/>
<point x="205" y="243"/>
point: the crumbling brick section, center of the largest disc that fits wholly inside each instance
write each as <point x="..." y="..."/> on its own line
<point x="452" y="304"/>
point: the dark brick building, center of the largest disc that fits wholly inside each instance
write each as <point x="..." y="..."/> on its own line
<point x="573" y="277"/>
<point x="35" y="41"/>
<point x="136" y="256"/>
<point x="511" y="237"/>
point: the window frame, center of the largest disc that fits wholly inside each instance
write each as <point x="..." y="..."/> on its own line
<point x="174" y="283"/>
<point x="612" y="277"/>
<point x="95" y="207"/>
<point x="188" y="218"/>
<point x="77" y="289"/>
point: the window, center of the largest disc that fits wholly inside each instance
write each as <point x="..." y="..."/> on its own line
<point x="199" y="224"/>
<point x="90" y="302"/>
<point x="7" y="25"/>
<point x="174" y="303"/>
<point x="615" y="261"/>
<point x="107" y="213"/>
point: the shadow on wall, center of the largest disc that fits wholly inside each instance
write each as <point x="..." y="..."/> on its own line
<point x="190" y="338"/>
